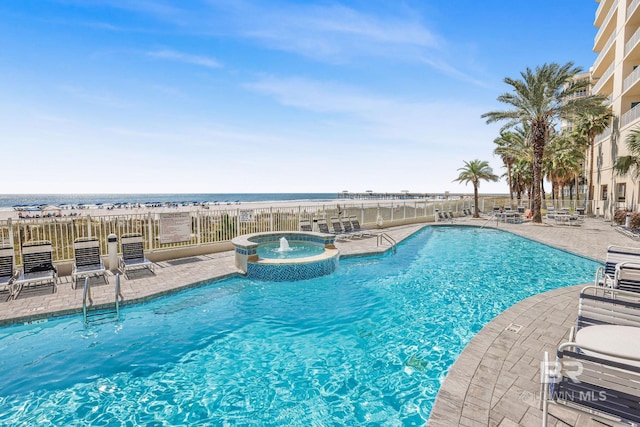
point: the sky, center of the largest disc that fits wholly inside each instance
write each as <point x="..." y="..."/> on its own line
<point x="278" y="96"/>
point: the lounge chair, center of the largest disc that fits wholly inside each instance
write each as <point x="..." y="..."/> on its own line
<point x="37" y="267"/>
<point x="305" y="225"/>
<point x="593" y="376"/>
<point x="616" y="257"/>
<point x="348" y="228"/>
<point x="603" y="385"/>
<point x="87" y="260"/>
<point x="599" y="306"/>
<point x="336" y="224"/>
<point x="133" y="254"/>
<point x="323" y="227"/>
<point x="355" y="224"/>
<point x="551" y="212"/>
<point x="7" y="270"/>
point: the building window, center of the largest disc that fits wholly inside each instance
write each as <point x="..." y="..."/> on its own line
<point x="621" y="190"/>
<point x="603" y="192"/>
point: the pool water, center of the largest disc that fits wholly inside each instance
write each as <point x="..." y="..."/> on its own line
<point x="296" y="250"/>
<point x="369" y="344"/>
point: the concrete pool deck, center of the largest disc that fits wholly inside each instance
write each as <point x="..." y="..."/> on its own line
<point x="493" y="382"/>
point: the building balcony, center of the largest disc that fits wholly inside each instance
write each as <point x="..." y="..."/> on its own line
<point x="633" y="13"/>
<point x="606" y="78"/>
<point x="630" y="116"/>
<point x="601" y="12"/>
<point x="608" y="26"/>
<point x="605" y="56"/>
<point x="631" y="80"/>
<point x="631" y="44"/>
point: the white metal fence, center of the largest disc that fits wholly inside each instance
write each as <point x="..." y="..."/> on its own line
<point x="210" y="226"/>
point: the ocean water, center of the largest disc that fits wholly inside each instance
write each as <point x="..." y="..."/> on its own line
<point x="12" y="200"/>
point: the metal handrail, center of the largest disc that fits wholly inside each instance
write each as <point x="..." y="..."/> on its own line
<point x="490" y="218"/>
<point x="86" y="294"/>
<point x="389" y="239"/>
<point x="118" y="296"/>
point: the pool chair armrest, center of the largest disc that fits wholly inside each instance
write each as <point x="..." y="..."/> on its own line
<point x="603" y="279"/>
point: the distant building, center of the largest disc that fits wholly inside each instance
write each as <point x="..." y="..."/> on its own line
<point x="615" y="74"/>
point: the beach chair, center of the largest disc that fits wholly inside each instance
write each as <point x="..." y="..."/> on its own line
<point x="336" y="224"/>
<point x="305" y="225"/>
<point x="37" y="267"/>
<point x="87" y="260"/>
<point x="600" y="306"/>
<point x="355" y="224"/>
<point x="323" y="227"/>
<point x="602" y="385"/>
<point x="348" y="228"/>
<point x="617" y="256"/>
<point x="7" y="270"/>
<point x="133" y="254"/>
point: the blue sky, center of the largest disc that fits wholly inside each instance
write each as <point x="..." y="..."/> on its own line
<point x="164" y="96"/>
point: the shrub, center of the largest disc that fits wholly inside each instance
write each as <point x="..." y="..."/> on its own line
<point x="620" y="218"/>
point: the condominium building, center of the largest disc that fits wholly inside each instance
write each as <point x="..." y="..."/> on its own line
<point x="616" y="75"/>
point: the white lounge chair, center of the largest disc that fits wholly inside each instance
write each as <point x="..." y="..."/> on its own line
<point x="588" y="371"/>
<point x="616" y="257"/>
<point x="7" y="270"/>
<point x="133" y="254"/>
<point x="37" y="267"/>
<point x="601" y="306"/>
<point x="305" y="225"/>
<point x="600" y="384"/>
<point x="87" y="260"/>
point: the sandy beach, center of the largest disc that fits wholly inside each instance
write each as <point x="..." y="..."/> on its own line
<point x="52" y="211"/>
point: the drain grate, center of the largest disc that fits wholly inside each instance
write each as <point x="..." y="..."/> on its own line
<point x="515" y="328"/>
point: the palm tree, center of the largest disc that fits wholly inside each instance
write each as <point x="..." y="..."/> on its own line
<point x="562" y="162"/>
<point x="590" y="124"/>
<point x="473" y="172"/>
<point x="542" y="96"/>
<point x="631" y="162"/>
<point x="507" y="149"/>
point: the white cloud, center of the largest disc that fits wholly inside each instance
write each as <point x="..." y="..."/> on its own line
<point x="172" y="55"/>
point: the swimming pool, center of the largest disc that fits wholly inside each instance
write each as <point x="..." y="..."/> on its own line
<point x="370" y="343"/>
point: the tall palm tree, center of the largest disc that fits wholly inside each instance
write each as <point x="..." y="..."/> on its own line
<point x="540" y="98"/>
<point x="590" y="124"/>
<point x="509" y="146"/>
<point x="631" y="162"/>
<point x="473" y="172"/>
<point x="562" y="162"/>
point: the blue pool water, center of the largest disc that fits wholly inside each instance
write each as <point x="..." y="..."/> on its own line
<point x="296" y="250"/>
<point x="369" y="344"/>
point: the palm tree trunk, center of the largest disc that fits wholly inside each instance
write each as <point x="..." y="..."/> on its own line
<point x="476" y="212"/>
<point x="538" y="133"/>
<point x="509" y="183"/>
<point x="591" y="161"/>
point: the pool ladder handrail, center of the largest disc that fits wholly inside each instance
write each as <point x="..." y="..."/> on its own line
<point x="87" y="295"/>
<point x="489" y="219"/>
<point x="384" y="236"/>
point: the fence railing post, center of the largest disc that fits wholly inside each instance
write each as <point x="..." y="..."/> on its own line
<point x="150" y="227"/>
<point x="198" y="231"/>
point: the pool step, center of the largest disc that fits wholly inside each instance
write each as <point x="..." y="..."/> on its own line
<point x="101" y="316"/>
